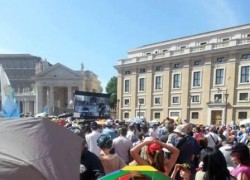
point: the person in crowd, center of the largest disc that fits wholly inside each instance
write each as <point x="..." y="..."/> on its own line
<point x="240" y="156"/>
<point x="110" y="162"/>
<point x="109" y="130"/>
<point x="152" y="132"/>
<point x="243" y="138"/>
<point x="213" y="167"/>
<point x="131" y="133"/>
<point x="224" y="149"/>
<point x="186" y="144"/>
<point x="220" y="134"/>
<point x="155" y="155"/>
<point x="91" y="167"/>
<point x="86" y="128"/>
<point x="213" y="138"/>
<point x="184" y="170"/>
<point x="227" y="131"/>
<point x="198" y="134"/>
<point x="122" y="145"/>
<point x="92" y="137"/>
<point x="203" y="149"/>
<point x="171" y="133"/>
<point x="140" y="139"/>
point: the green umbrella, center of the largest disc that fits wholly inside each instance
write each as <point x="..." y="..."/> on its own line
<point x="134" y="172"/>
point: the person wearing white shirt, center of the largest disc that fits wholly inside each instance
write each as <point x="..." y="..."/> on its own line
<point x="212" y="138"/>
<point x="92" y="137"/>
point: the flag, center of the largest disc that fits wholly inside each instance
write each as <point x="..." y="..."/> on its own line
<point x="9" y="104"/>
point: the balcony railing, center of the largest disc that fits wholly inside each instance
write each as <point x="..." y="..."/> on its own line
<point x="189" y="50"/>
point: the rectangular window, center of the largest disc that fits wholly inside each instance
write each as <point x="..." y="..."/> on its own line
<point x="197" y="79"/>
<point x="142" y="70"/>
<point x="242" y="115"/>
<point x="245" y="56"/>
<point x="127" y="72"/>
<point x="126" y="102"/>
<point x="157" y="115"/>
<point x="244" y="74"/>
<point x="157" y="82"/>
<point x="183" y="47"/>
<point x="140" y="114"/>
<point x="243" y="96"/>
<point x="158" y="68"/>
<point x="126" y="115"/>
<point x="217" y="98"/>
<point x="225" y="39"/>
<point x="219" y="76"/>
<point x="195" y="99"/>
<point x="176" y="81"/>
<point x="176" y="65"/>
<point x="175" y="99"/>
<point x="198" y="62"/>
<point x="157" y="101"/>
<point x="174" y="114"/>
<point x="164" y="50"/>
<point x="141" y="101"/>
<point x="141" y="84"/>
<point x="203" y="43"/>
<point x="195" y="115"/>
<point x="220" y="59"/>
<point x="126" y="85"/>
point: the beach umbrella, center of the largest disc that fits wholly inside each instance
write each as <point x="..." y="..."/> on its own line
<point x="136" y="171"/>
<point x="37" y="148"/>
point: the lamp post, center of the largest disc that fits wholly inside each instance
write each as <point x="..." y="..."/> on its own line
<point x="189" y="103"/>
<point x="226" y="96"/>
<point x="139" y="108"/>
<point x="118" y="101"/>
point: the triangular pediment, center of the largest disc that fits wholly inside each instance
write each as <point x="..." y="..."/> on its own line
<point x="59" y="71"/>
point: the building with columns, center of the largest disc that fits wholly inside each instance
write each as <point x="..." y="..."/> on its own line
<point x="203" y="78"/>
<point x="55" y="87"/>
<point x="34" y="80"/>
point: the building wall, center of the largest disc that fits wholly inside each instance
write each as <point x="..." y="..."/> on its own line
<point x="196" y="60"/>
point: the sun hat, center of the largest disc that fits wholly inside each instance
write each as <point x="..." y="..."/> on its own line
<point x="181" y="129"/>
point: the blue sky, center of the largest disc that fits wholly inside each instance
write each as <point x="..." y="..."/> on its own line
<point x="98" y="33"/>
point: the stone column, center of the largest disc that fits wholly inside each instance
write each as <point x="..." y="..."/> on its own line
<point x="69" y="97"/>
<point x="39" y="99"/>
<point x="51" y="100"/>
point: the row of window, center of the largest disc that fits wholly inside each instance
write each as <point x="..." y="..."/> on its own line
<point x="222" y="40"/>
<point x="178" y="65"/>
<point x="194" y="115"/>
<point x="194" y="99"/>
<point x="219" y="79"/>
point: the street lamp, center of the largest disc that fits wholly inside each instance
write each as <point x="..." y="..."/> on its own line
<point x="118" y="101"/>
<point x="189" y="103"/>
<point x="226" y="96"/>
<point x="140" y="101"/>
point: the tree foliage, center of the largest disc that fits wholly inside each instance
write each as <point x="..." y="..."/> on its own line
<point x="112" y="90"/>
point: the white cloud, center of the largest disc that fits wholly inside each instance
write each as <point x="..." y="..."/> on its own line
<point x="220" y="13"/>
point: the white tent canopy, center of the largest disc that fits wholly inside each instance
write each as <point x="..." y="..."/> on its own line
<point x="245" y="122"/>
<point x="32" y="148"/>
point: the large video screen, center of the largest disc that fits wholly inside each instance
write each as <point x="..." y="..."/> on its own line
<point x="89" y="105"/>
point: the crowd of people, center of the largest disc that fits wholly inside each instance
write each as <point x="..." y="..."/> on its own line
<point x="180" y="151"/>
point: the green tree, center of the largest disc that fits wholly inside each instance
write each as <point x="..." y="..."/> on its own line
<point x="112" y="90"/>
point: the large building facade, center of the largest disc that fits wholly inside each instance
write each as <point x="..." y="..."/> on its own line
<point x="38" y="84"/>
<point x="203" y="78"/>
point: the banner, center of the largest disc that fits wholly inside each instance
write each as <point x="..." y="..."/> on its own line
<point x="9" y="105"/>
